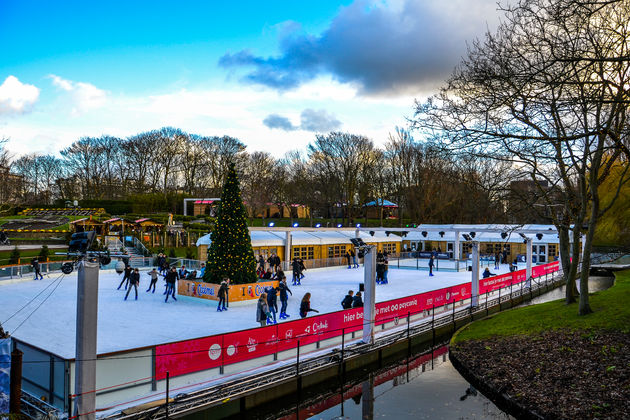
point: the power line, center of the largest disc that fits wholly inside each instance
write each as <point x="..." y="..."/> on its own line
<point x="30" y="301"/>
<point x="42" y="302"/>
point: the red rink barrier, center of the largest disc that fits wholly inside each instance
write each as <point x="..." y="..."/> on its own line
<point x="210" y="352"/>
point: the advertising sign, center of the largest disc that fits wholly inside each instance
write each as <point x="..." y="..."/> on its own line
<point x="236" y="292"/>
<point x="250" y="344"/>
<point x="5" y="374"/>
<point x="188" y="356"/>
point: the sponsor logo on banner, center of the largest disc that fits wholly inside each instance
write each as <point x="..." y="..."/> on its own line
<point x="318" y="326"/>
<point x="231" y="350"/>
<point x="288" y="334"/>
<point x="448" y="295"/>
<point x="251" y="345"/>
<point x="214" y="352"/>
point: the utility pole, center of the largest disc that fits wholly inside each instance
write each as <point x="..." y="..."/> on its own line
<point x="369" y="300"/>
<point x="87" y="315"/>
<point x="474" y="290"/>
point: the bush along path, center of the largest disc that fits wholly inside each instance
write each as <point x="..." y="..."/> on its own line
<point x="545" y="361"/>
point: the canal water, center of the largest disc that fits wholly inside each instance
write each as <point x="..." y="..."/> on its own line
<point x="424" y="386"/>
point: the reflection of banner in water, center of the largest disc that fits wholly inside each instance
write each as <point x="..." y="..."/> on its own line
<point x="5" y="370"/>
<point x="379" y="379"/>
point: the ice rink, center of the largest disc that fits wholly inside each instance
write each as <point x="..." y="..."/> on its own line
<point x="47" y="317"/>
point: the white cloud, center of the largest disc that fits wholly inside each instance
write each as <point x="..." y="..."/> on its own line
<point x="17" y="97"/>
<point x="81" y="97"/>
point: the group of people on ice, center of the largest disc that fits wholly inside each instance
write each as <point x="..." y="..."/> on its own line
<point x="131" y="277"/>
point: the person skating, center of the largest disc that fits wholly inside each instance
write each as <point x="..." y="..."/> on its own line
<point x="431" y="262"/>
<point x="154" y="278"/>
<point x="36" y="269"/>
<point x="355" y="264"/>
<point x="295" y="266"/>
<point x="380" y="267"/>
<point x="272" y="303"/>
<point x="497" y="260"/>
<point x="262" y="310"/>
<point x="276" y="261"/>
<point x="202" y="270"/>
<point x="385" y="266"/>
<point x="134" y="281"/>
<point x="126" y="275"/>
<point x="487" y="273"/>
<point x="283" y="288"/>
<point x="223" y="291"/>
<point x="357" y="302"/>
<point x="182" y="273"/>
<point x="272" y="262"/>
<point x="261" y="263"/>
<point x="346" y="303"/>
<point x="305" y="306"/>
<point x="302" y="269"/>
<point x="171" y="280"/>
<point x="348" y="258"/>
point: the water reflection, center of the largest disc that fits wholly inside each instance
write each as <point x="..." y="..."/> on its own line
<point x="423" y="387"/>
<point x="595" y="284"/>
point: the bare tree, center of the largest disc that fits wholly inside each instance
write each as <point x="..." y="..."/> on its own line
<point x="543" y="94"/>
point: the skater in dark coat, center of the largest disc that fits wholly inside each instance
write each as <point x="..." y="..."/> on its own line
<point x="272" y="302"/>
<point x="346" y="303"/>
<point x="134" y="281"/>
<point x="302" y="268"/>
<point x="154" y="278"/>
<point x="223" y="291"/>
<point x="268" y="274"/>
<point x="283" y="288"/>
<point x="262" y="310"/>
<point x="357" y="302"/>
<point x="431" y="262"/>
<point x="171" y="280"/>
<point x="261" y="263"/>
<point x="295" y="266"/>
<point x="349" y="258"/>
<point x="36" y="269"/>
<point x="305" y="306"/>
<point x="126" y="275"/>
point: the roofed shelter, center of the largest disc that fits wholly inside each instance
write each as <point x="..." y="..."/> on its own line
<point x="88" y="224"/>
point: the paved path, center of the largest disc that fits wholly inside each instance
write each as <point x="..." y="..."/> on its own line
<point x="27" y="247"/>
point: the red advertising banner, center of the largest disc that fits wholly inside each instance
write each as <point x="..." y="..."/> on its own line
<point x="495" y="282"/>
<point x="317" y="328"/>
<point x="250" y="344"/>
<point x="209" y="352"/>
<point x="188" y="356"/>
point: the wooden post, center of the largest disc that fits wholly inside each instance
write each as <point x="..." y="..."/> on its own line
<point x="16" y="382"/>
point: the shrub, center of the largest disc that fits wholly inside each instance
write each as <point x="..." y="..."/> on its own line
<point x="44" y="252"/>
<point x="14" y="258"/>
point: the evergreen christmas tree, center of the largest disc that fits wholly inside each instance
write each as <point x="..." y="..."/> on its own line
<point x="230" y="253"/>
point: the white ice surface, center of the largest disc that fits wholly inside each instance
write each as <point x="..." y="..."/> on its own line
<point x="149" y="321"/>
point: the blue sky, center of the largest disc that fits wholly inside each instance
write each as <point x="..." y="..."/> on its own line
<point x="271" y="73"/>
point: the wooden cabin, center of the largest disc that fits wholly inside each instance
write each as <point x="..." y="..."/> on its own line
<point x="88" y="224"/>
<point x="310" y="244"/>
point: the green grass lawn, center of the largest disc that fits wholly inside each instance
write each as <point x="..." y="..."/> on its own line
<point x="611" y="311"/>
<point x="27" y="255"/>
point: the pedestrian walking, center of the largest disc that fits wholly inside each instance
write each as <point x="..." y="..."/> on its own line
<point x="283" y="288"/>
<point x="357" y="301"/>
<point x="346" y="303"/>
<point x="125" y="278"/>
<point x="305" y="306"/>
<point x="36" y="269"/>
<point x="223" y="291"/>
<point x="154" y="278"/>
<point x="262" y="310"/>
<point x="134" y="281"/>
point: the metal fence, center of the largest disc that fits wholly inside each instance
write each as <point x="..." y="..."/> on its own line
<point x="26" y="270"/>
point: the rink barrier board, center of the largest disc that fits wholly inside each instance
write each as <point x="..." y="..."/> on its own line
<point x="236" y="292"/>
<point x="189" y="356"/>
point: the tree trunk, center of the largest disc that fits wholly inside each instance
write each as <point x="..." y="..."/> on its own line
<point x="565" y="261"/>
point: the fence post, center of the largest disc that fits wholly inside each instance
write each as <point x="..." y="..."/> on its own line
<point x="297" y="360"/>
<point x="167" y="388"/>
<point x="408" y="333"/>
